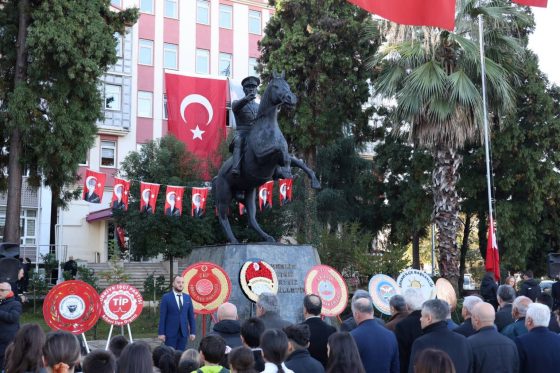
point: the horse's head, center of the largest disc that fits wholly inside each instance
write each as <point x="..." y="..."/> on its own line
<point x="280" y="93"/>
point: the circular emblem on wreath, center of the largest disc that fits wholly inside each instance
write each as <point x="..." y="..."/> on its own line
<point x="208" y="285"/>
<point x="256" y="277"/>
<point x="121" y="304"/>
<point x="382" y="288"/>
<point x="329" y="285"/>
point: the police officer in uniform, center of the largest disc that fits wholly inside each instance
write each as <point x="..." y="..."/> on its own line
<point x="245" y="111"/>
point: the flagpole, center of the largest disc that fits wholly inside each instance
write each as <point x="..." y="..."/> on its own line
<point x="485" y="113"/>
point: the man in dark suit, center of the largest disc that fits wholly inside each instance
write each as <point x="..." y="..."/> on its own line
<point x="437" y="335"/>
<point x="506" y="295"/>
<point x="10" y="311"/>
<point x="530" y="287"/>
<point x="492" y="352"/>
<point x="251" y="331"/>
<point x="519" y="310"/>
<point x="466" y="327"/>
<point x="377" y="346"/>
<point x="176" y="317"/>
<point x="197" y="212"/>
<point x="268" y="312"/>
<point x="409" y="329"/>
<point x="299" y="360"/>
<point x="349" y="324"/>
<point x="539" y="349"/>
<point x="319" y="330"/>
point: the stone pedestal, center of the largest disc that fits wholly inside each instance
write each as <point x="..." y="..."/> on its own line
<point x="291" y="263"/>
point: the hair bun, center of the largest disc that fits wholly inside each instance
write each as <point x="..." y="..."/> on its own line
<point x="61" y="368"/>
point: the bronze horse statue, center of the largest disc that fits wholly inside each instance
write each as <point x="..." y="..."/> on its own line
<point x="265" y="157"/>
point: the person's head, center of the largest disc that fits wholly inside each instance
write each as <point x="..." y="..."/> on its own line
<point x="171" y="198"/>
<point x="468" y="305"/>
<point x="527" y="275"/>
<point x="136" y="358"/>
<point x="196" y="200"/>
<point x="343" y="354"/>
<point x="146" y="193"/>
<point x="250" y="85"/>
<point x="298" y="337"/>
<point x="251" y="332"/>
<point x="537" y="315"/>
<point x="433" y="361"/>
<point x="188" y="366"/>
<point x="178" y="283"/>
<point x="483" y="315"/>
<point x="505" y="294"/>
<point x="433" y="311"/>
<point x="414" y="299"/>
<point x="519" y="307"/>
<point x="190" y="354"/>
<point x="99" y="361"/>
<point x="5" y="290"/>
<point x="117" y="344"/>
<point x="91" y="184"/>
<point x="61" y="352"/>
<point x="312" y="305"/>
<point x="227" y="311"/>
<point x="268" y="302"/>
<point x="241" y="360"/>
<point x="163" y="357"/>
<point x="212" y="349"/>
<point x="274" y="344"/>
<point x="510" y="280"/>
<point x="26" y="351"/>
<point x="546" y="299"/>
<point x="360" y="293"/>
<point x="362" y="309"/>
<point x="397" y="304"/>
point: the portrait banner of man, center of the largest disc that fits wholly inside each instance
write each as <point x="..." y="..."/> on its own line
<point x="198" y="202"/>
<point x="265" y="195"/>
<point x="174" y="200"/>
<point x="148" y="197"/>
<point x="285" y="191"/>
<point x="94" y="185"/>
<point x="121" y="191"/>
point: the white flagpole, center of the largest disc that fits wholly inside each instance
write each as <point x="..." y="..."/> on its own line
<point x="485" y="113"/>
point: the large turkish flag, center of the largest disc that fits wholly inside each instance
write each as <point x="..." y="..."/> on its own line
<point x="436" y="13"/>
<point x="197" y="112"/>
<point x="541" y="3"/>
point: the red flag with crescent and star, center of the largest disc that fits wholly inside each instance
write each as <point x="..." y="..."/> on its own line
<point x="94" y="184"/>
<point x="436" y="13"/>
<point x="148" y="197"/>
<point x="198" y="202"/>
<point x="265" y="195"/>
<point x="285" y="191"/>
<point x="121" y="191"/>
<point x="174" y="200"/>
<point x="539" y="3"/>
<point x="492" y="253"/>
<point x="197" y="113"/>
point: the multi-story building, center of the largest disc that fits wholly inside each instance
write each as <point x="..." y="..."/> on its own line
<point x="194" y="37"/>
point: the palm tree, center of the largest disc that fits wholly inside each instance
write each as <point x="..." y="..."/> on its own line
<point x="434" y="77"/>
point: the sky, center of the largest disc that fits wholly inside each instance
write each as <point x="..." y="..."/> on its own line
<point x="544" y="41"/>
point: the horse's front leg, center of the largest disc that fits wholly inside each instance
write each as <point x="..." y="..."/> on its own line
<point x="223" y="198"/>
<point x="252" y="211"/>
<point x="295" y="162"/>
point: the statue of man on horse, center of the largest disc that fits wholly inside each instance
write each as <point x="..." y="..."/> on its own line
<point x="262" y="152"/>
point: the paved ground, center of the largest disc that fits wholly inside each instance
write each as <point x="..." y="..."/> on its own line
<point x="101" y="343"/>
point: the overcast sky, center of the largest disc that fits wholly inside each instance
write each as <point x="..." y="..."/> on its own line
<point x="545" y="40"/>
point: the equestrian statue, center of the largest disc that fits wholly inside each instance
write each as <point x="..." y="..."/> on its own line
<point x="260" y="152"/>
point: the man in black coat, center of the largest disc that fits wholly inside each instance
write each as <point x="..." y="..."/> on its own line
<point x="228" y="326"/>
<point x="546" y="299"/>
<point x="409" y="329"/>
<point x="530" y="287"/>
<point x="555" y="292"/>
<point x="489" y="289"/>
<point x="506" y="296"/>
<point x="438" y="336"/>
<point x="466" y="327"/>
<point x="539" y="348"/>
<point x="492" y="352"/>
<point x="299" y="360"/>
<point x="10" y="311"/>
<point x="268" y="311"/>
<point x="319" y="330"/>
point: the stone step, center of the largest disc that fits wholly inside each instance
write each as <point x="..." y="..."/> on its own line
<point x="137" y="272"/>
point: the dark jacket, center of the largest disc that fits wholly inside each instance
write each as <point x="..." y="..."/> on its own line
<point x="175" y="323"/>
<point x="493" y="352"/>
<point x="555" y="293"/>
<point x="349" y="324"/>
<point x="489" y="289"/>
<point x="320" y="332"/>
<point x="377" y="346"/>
<point x="259" y="359"/>
<point x="504" y="317"/>
<point x="539" y="351"/>
<point x="10" y="311"/>
<point x="439" y="336"/>
<point x="516" y="329"/>
<point x="395" y="319"/>
<point x="530" y="288"/>
<point x="272" y="320"/>
<point x="553" y="324"/>
<point x="465" y="328"/>
<point x="406" y="332"/>
<point x="229" y="330"/>
<point x="300" y="361"/>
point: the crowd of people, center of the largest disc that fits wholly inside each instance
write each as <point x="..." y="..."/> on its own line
<point x="516" y="334"/>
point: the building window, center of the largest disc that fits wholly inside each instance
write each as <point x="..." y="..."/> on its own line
<point x="112" y="97"/>
<point x="203" y="12"/>
<point x="119" y="47"/>
<point x="147" y="6"/>
<point x="116" y="3"/>
<point x="170" y="9"/>
<point x="27" y="225"/>
<point x="202" y="61"/>
<point x="224" y="64"/>
<point x="108" y="153"/>
<point x="145" y="104"/>
<point x="226" y="16"/>
<point x="145" y="52"/>
<point x="254" y="22"/>
<point x="253" y="67"/>
<point x="170" y="56"/>
<point x="164" y="106"/>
